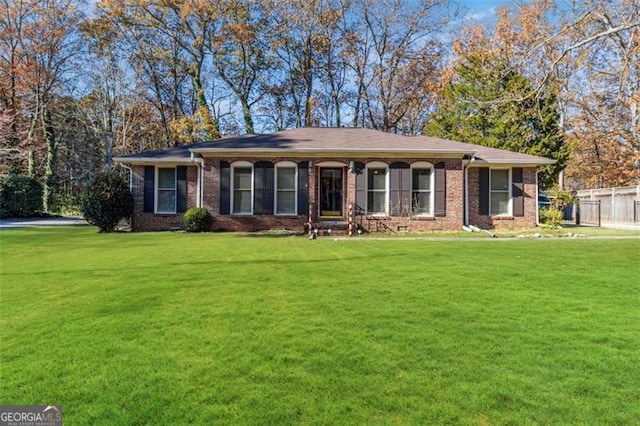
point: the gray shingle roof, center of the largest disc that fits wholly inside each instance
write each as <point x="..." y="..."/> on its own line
<point x="355" y="142"/>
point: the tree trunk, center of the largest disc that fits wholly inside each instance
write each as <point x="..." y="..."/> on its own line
<point x="50" y="171"/>
<point x="32" y="164"/>
<point x="210" y="126"/>
<point x="246" y="112"/>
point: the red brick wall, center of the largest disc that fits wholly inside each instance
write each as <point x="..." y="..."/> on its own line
<point x="142" y="221"/>
<point x="453" y="220"/>
<point x="454" y="203"/>
<point x="497" y="222"/>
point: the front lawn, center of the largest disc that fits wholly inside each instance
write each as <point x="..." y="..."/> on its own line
<point x="172" y="328"/>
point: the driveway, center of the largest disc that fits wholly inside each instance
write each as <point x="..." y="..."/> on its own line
<point x="41" y="221"/>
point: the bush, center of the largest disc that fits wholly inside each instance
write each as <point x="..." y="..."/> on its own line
<point x="552" y="217"/>
<point x="106" y="200"/>
<point x="197" y="219"/>
<point x="20" y="196"/>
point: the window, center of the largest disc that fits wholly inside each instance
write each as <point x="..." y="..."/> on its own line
<point x="242" y="188"/>
<point x="286" y="180"/>
<point x="377" y="189"/>
<point x="166" y="190"/>
<point x="421" y="189"/>
<point x="499" y="192"/>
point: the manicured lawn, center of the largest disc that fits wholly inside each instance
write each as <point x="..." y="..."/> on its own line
<point x="168" y="328"/>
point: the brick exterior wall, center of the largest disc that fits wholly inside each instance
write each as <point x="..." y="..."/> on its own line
<point x="454" y="203"/>
<point x="144" y="221"/>
<point x="504" y="222"/>
<point x="452" y="221"/>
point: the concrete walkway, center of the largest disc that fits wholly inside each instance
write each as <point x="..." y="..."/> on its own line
<point x="628" y="226"/>
<point x="41" y="221"/>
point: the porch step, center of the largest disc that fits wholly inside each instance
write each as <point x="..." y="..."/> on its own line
<point x="331" y="228"/>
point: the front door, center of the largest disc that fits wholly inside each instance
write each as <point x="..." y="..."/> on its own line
<point x="330" y="192"/>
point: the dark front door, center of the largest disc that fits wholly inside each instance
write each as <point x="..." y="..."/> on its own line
<point x="330" y="192"/>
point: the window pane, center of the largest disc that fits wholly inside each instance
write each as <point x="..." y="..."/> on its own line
<point x="500" y="180"/>
<point x="377" y="179"/>
<point x="166" y="201"/>
<point x="242" y="178"/>
<point x="421" y="179"/>
<point x="421" y="202"/>
<point x="286" y="178"/>
<point x="167" y="178"/>
<point x="286" y="202"/>
<point x="375" y="202"/>
<point x="499" y="203"/>
<point x="241" y="201"/>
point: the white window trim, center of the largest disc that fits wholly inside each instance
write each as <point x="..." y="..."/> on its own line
<point x="425" y="165"/>
<point x="509" y="195"/>
<point x="240" y="164"/>
<point x="157" y="188"/>
<point x="289" y="165"/>
<point x="378" y="165"/>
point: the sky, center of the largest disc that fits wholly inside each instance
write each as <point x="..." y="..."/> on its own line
<point x="480" y="10"/>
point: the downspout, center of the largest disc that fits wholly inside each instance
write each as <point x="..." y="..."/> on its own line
<point x="200" y="162"/>
<point x="130" y="176"/>
<point x="537" y="199"/>
<point x="124" y="166"/>
<point x="465" y="190"/>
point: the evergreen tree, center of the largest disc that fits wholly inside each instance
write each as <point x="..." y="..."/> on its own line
<point x="491" y="104"/>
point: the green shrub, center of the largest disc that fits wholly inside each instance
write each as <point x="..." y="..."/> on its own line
<point x="551" y="216"/>
<point x="197" y="219"/>
<point x="20" y="196"/>
<point x="106" y="200"/>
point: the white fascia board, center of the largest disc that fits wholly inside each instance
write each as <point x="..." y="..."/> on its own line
<point x="149" y="161"/>
<point x="336" y="152"/>
<point x="519" y="163"/>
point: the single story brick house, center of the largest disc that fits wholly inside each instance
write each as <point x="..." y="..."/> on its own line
<point x="322" y="176"/>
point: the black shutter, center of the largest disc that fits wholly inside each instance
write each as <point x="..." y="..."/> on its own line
<point x="303" y="188"/>
<point x="225" y="187"/>
<point x="263" y="187"/>
<point x="483" y="194"/>
<point x="361" y="185"/>
<point x="149" y="189"/>
<point x="399" y="189"/>
<point x="181" y="189"/>
<point x="517" y="191"/>
<point x="440" y="199"/>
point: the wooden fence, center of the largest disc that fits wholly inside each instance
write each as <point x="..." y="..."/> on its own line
<point x="617" y="205"/>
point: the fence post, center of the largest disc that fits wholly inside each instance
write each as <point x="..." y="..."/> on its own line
<point x="613" y="204"/>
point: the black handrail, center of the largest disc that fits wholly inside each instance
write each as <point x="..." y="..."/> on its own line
<point x="361" y="214"/>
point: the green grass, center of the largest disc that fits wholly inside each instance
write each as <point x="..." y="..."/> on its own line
<point x="170" y="328"/>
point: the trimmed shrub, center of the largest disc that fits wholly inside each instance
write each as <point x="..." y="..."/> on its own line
<point x="106" y="201"/>
<point x="197" y="219"/>
<point x="20" y="196"/>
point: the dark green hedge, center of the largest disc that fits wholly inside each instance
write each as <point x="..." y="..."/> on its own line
<point x="106" y="201"/>
<point x="20" y="196"/>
